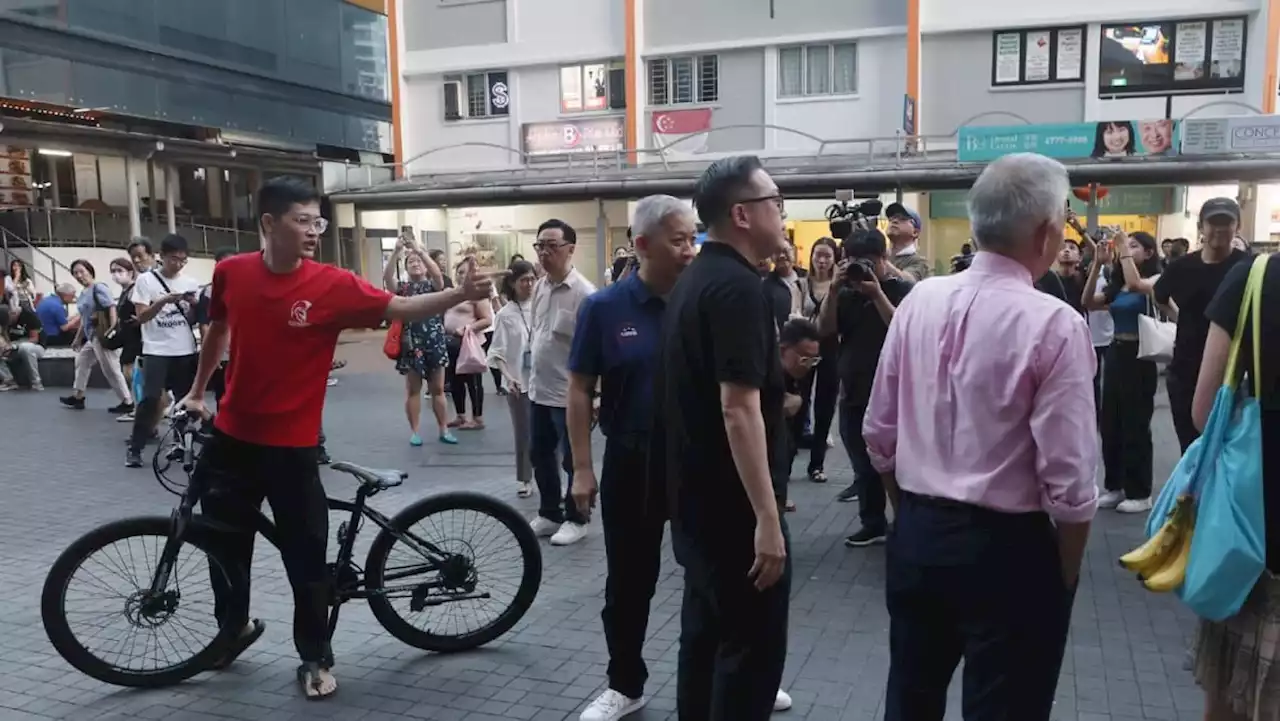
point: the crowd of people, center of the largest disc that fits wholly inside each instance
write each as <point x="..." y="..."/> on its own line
<point x="708" y="371"/>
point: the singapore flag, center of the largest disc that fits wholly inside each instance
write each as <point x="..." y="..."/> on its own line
<point x="671" y="126"/>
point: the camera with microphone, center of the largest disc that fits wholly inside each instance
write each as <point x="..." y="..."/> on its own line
<point x="844" y="217"/>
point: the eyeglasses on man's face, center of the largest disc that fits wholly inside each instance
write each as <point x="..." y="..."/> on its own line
<point x="776" y="199"/>
<point x="312" y="222"/>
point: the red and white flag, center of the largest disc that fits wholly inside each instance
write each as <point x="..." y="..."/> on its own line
<point x="670" y="126"/>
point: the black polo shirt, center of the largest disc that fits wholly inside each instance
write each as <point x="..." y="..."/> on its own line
<point x="719" y="328"/>
<point x="616" y="340"/>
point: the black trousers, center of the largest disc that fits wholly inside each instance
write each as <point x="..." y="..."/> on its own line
<point x="460" y="386"/>
<point x="871" y="497"/>
<point x="733" y="638"/>
<point x="1181" y="393"/>
<point x="238" y="476"/>
<point x="550" y="453"/>
<point x="1101" y="352"/>
<point x="218" y="384"/>
<point x="633" y="525"/>
<point x="823" y="385"/>
<point x="160" y="374"/>
<point x="1128" y="402"/>
<point x="972" y="583"/>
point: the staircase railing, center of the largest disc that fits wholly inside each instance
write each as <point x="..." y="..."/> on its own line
<point x="9" y="240"/>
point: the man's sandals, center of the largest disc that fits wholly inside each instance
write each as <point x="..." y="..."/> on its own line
<point x="246" y="639"/>
<point x="316" y="681"/>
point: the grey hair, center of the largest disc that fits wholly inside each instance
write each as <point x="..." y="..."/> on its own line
<point x="65" y="289"/>
<point x="653" y="210"/>
<point x="1013" y="196"/>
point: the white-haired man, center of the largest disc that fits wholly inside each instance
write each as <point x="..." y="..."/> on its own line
<point x="616" y="343"/>
<point x="988" y="452"/>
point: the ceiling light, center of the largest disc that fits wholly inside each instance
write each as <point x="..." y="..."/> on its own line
<point x="55" y="152"/>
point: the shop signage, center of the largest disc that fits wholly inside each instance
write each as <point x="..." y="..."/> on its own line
<point x="1121" y="200"/>
<point x="1065" y="141"/>
<point x="1244" y="134"/>
<point x="603" y="135"/>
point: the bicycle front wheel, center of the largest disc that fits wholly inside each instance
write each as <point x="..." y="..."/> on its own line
<point x="102" y="617"/>
<point x="488" y="578"/>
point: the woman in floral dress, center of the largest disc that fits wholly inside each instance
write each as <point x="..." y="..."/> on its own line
<point x="422" y="347"/>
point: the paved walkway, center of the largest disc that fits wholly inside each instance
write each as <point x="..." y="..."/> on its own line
<point x="63" y="474"/>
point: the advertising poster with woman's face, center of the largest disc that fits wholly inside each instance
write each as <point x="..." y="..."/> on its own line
<point x="1120" y="139"/>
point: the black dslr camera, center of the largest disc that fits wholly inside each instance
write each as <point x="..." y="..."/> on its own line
<point x="861" y="252"/>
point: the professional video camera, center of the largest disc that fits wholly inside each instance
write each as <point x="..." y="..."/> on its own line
<point x="844" y="218"/>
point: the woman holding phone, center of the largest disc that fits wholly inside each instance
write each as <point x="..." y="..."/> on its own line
<point x="422" y="348"/>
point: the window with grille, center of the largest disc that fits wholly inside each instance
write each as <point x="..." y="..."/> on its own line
<point x="469" y="96"/>
<point x="684" y="80"/>
<point x="817" y="70"/>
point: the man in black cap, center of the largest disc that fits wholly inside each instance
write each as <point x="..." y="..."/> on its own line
<point x="905" y="260"/>
<point x="1183" y="292"/>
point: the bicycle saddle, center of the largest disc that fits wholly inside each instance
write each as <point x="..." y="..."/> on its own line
<point x="380" y="478"/>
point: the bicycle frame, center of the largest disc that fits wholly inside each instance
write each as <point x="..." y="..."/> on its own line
<point x="435" y="559"/>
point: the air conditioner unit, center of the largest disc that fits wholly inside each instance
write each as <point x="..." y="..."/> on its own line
<point x="452" y="100"/>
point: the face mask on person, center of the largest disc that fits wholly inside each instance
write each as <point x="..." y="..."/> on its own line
<point x="120" y="277"/>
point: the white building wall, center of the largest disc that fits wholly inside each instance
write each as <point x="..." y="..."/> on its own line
<point x="951" y="15"/>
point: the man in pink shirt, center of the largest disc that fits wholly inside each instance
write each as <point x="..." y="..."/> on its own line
<point x="981" y="423"/>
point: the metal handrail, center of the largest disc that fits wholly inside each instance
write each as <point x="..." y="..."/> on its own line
<point x="54" y="263"/>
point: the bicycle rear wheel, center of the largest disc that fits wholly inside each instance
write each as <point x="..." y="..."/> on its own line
<point x="94" y="571"/>
<point x="419" y="602"/>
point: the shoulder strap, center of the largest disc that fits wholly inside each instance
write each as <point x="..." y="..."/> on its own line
<point x="1250" y="302"/>
<point x="160" y="280"/>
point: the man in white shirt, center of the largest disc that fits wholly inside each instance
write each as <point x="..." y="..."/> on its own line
<point x="554" y="311"/>
<point x="165" y="300"/>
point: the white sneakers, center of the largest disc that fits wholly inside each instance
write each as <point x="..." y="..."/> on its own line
<point x="782" y="702"/>
<point x="562" y="534"/>
<point x="1134" y="505"/>
<point x="569" y="534"/>
<point x="1110" y="499"/>
<point x="611" y="706"/>
<point x="1116" y="500"/>
<point x="543" y="527"/>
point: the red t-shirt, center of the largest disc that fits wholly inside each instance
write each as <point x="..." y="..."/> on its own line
<point x="284" y="329"/>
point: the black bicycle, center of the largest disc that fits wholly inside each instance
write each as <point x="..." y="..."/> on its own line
<point x="415" y="574"/>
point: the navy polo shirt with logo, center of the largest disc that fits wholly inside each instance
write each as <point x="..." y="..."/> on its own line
<point x="616" y="340"/>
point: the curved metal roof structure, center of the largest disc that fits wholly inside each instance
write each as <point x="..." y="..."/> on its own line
<point x="811" y="176"/>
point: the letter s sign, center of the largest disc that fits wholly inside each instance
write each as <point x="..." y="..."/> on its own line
<point x="499" y="94"/>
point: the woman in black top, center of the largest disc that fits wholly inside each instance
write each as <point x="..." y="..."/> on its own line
<point x="823" y="382"/>
<point x="1235" y="658"/>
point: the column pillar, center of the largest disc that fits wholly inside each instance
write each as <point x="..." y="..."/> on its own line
<point x="213" y="181"/>
<point x="135" y="207"/>
<point x="171" y="193"/>
<point x="602" y="242"/>
<point x="54" y="190"/>
<point x="1254" y="216"/>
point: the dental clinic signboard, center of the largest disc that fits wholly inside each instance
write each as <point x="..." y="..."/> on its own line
<point x="1070" y="141"/>
<point x="1244" y="134"/>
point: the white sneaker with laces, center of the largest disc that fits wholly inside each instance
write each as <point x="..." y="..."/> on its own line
<point x="782" y="702"/>
<point x="1135" y="505"/>
<point x="1110" y="499"/>
<point x="544" y="526"/>
<point x="611" y="706"/>
<point x="569" y="534"/>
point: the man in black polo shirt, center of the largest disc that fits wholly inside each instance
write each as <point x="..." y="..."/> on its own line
<point x="616" y="342"/>
<point x="719" y="433"/>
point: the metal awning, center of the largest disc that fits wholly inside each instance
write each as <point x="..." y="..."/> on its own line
<point x="27" y="132"/>
<point x="796" y="177"/>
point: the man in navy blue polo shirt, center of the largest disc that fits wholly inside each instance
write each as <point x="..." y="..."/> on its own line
<point x="616" y="343"/>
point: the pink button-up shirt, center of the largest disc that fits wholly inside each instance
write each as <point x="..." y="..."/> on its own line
<point x="984" y="395"/>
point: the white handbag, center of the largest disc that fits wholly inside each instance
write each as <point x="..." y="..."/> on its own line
<point x="1155" y="339"/>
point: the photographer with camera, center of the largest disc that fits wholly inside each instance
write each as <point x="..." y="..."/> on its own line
<point x="868" y="292"/>
<point x="905" y="261"/>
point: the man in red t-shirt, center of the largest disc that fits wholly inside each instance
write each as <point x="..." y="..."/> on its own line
<point x="286" y="311"/>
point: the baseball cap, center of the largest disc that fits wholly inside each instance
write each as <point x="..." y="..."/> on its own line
<point x="900" y="209"/>
<point x="1218" y="207"/>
